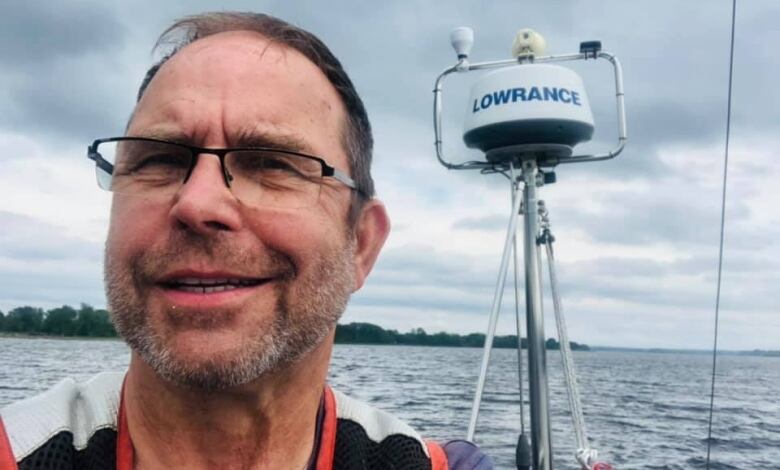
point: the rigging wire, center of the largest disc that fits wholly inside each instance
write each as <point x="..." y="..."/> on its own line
<point x="585" y="455"/>
<point x="722" y="230"/>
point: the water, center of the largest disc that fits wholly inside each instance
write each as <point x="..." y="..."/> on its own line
<point x="642" y="410"/>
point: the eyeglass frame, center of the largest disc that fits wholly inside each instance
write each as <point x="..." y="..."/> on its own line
<point x="327" y="170"/>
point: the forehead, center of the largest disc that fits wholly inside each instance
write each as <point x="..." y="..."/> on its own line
<point x="230" y="87"/>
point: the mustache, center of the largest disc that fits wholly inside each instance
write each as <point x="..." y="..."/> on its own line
<point x="217" y="252"/>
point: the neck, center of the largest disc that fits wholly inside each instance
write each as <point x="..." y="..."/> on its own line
<point x="268" y="423"/>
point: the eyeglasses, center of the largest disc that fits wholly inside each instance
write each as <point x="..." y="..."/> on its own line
<point x="257" y="176"/>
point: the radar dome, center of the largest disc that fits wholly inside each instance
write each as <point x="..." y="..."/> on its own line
<point x="528" y="104"/>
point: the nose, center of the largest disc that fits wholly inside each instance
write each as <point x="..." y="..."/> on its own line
<point x="204" y="203"/>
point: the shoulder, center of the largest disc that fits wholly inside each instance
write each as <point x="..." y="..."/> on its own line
<point x="378" y="424"/>
<point x="372" y="433"/>
<point x="465" y="455"/>
<point x="71" y="409"/>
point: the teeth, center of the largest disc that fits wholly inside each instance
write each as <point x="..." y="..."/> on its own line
<point x="206" y="282"/>
<point x="206" y="289"/>
<point x="214" y="282"/>
<point x="204" y="286"/>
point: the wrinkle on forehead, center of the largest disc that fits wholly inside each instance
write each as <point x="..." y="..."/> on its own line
<point x="278" y="51"/>
<point x="261" y="46"/>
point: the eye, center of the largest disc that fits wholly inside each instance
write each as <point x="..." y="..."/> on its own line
<point x="272" y="162"/>
<point x="144" y="158"/>
<point x="158" y="161"/>
<point x="149" y="164"/>
<point x="265" y="165"/>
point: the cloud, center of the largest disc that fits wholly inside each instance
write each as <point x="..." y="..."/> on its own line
<point x="25" y="238"/>
<point x="34" y="32"/>
<point x="60" y="69"/>
<point x="41" y="265"/>
<point x="487" y="222"/>
<point x="637" y="236"/>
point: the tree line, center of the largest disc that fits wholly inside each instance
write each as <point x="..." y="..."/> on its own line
<point x="87" y="321"/>
<point x="368" y="333"/>
<point x="59" y="321"/>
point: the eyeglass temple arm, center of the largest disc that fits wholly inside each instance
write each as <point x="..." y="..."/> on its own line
<point x="101" y="162"/>
<point x="328" y="170"/>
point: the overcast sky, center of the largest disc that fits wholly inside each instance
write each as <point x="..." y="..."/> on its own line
<point x="637" y="237"/>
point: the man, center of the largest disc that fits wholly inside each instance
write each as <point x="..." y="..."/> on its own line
<point x="243" y="217"/>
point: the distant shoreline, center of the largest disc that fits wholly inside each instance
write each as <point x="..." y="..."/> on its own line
<point x="727" y="352"/>
<point x="7" y="334"/>
<point x="366" y="342"/>
<point x="88" y="322"/>
<point x="755" y="352"/>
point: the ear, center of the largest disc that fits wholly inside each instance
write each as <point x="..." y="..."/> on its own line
<point x="370" y="234"/>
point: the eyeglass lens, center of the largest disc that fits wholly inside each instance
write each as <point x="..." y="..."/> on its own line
<point x="257" y="177"/>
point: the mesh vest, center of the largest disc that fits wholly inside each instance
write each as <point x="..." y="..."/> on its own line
<point x="81" y="426"/>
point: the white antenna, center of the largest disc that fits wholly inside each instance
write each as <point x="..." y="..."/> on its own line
<point x="528" y="43"/>
<point x="462" y="39"/>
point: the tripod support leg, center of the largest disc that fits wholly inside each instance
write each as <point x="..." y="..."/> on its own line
<point x="510" y="235"/>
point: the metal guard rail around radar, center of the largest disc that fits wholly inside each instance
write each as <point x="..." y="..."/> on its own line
<point x="464" y="66"/>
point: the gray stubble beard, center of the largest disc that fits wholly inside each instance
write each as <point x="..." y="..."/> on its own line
<point x="307" y="309"/>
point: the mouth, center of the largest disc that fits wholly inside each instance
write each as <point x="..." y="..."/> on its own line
<point x="208" y="285"/>
<point x="200" y="288"/>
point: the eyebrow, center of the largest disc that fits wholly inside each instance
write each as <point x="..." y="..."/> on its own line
<point x="256" y="138"/>
<point x="244" y="139"/>
<point x="174" y="136"/>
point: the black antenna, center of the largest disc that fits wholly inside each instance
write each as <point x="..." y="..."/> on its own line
<point x="722" y="230"/>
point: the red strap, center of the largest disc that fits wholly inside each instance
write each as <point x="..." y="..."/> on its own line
<point x="7" y="459"/>
<point x="124" y="446"/>
<point x="327" y="450"/>
<point x="438" y="457"/>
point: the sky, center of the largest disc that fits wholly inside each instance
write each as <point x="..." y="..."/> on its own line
<point x="636" y="237"/>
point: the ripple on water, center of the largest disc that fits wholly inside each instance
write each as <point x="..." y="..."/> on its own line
<point x="642" y="410"/>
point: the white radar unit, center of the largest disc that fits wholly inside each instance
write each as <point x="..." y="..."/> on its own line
<point x="528" y="104"/>
<point x="527" y="107"/>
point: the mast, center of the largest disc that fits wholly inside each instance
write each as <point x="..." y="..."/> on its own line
<point x="541" y="439"/>
<point x="526" y="115"/>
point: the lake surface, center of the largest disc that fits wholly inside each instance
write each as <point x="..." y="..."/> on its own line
<point x="642" y="410"/>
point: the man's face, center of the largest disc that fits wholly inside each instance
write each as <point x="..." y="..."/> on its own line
<point x="294" y="268"/>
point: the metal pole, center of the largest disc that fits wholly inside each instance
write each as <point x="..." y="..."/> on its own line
<point x="510" y="235"/>
<point x="537" y="366"/>
<point x="518" y="321"/>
